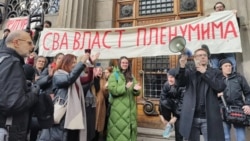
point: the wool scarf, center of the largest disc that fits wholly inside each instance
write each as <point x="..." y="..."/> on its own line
<point x="75" y="117"/>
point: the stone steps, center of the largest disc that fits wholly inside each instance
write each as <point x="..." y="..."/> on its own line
<point x="149" y="134"/>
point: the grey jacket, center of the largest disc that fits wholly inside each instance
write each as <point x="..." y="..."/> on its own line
<point x="61" y="83"/>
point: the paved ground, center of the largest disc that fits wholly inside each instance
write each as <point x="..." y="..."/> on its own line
<point x="148" y="134"/>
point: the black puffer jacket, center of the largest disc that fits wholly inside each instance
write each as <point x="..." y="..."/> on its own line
<point x="171" y="99"/>
<point x="16" y="98"/>
<point x="236" y="86"/>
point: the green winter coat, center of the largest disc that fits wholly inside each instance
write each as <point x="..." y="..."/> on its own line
<point x="122" y="123"/>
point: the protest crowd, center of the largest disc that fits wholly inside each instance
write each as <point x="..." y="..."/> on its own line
<point x="71" y="98"/>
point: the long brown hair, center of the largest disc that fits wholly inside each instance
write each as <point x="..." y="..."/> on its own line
<point x="66" y="62"/>
<point x="127" y="73"/>
<point x="57" y="55"/>
<point x="110" y="69"/>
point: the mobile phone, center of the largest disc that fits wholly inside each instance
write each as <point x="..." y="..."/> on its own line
<point x="88" y="51"/>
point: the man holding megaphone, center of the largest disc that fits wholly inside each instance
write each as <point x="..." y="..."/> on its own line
<point x="200" y="110"/>
<point x="178" y="44"/>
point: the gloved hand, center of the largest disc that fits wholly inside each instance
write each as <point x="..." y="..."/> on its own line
<point x="35" y="89"/>
<point x="39" y="28"/>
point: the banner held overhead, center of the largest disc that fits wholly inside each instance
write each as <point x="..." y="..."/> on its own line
<point x="219" y="31"/>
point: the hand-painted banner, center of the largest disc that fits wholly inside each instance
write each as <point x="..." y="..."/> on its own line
<point x="219" y="31"/>
<point x="19" y="23"/>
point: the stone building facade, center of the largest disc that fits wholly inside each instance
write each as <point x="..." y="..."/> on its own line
<point x="101" y="14"/>
<point x="98" y="14"/>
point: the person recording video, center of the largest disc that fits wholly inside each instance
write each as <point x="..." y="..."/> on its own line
<point x="88" y="51"/>
<point x="236" y="86"/>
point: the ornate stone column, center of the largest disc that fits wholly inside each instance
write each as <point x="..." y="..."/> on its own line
<point x="77" y="14"/>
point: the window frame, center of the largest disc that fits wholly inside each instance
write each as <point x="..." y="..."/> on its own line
<point x="137" y="20"/>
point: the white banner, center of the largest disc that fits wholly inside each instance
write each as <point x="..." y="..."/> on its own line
<point x="219" y="31"/>
<point x="19" y="23"/>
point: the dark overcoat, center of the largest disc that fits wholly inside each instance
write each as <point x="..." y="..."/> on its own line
<point x="214" y="84"/>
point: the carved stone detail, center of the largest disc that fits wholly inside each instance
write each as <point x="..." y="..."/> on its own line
<point x="128" y="24"/>
<point x="188" y="5"/>
<point x="126" y="11"/>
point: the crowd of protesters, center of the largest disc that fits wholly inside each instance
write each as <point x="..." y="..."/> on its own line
<point x="32" y="84"/>
<point x="100" y="103"/>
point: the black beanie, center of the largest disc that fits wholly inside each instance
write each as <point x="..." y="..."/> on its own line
<point x="223" y="61"/>
<point x="173" y="72"/>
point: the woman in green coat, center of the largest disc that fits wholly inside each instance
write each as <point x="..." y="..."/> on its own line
<point x="122" y="124"/>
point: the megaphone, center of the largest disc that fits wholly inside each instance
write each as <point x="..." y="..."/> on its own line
<point x="177" y="44"/>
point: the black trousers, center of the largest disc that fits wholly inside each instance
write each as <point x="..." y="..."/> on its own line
<point x="34" y="129"/>
<point x="73" y="135"/>
<point x="178" y="136"/>
<point x="167" y="113"/>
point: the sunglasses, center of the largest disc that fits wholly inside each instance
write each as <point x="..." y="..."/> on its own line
<point x="29" y="42"/>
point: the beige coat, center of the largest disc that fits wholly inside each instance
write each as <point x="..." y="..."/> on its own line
<point x="100" y="105"/>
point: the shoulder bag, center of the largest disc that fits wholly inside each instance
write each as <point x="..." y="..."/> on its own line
<point x="234" y="114"/>
<point x="60" y="106"/>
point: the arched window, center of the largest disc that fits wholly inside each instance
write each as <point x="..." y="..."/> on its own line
<point x="20" y="8"/>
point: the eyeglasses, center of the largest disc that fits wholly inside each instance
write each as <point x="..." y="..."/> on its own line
<point x="201" y="55"/>
<point x="124" y="62"/>
<point x="29" y="42"/>
<point x="219" y="6"/>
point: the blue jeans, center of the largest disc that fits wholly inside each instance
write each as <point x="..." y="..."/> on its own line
<point x="199" y="126"/>
<point x="215" y="59"/>
<point x="240" y="133"/>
